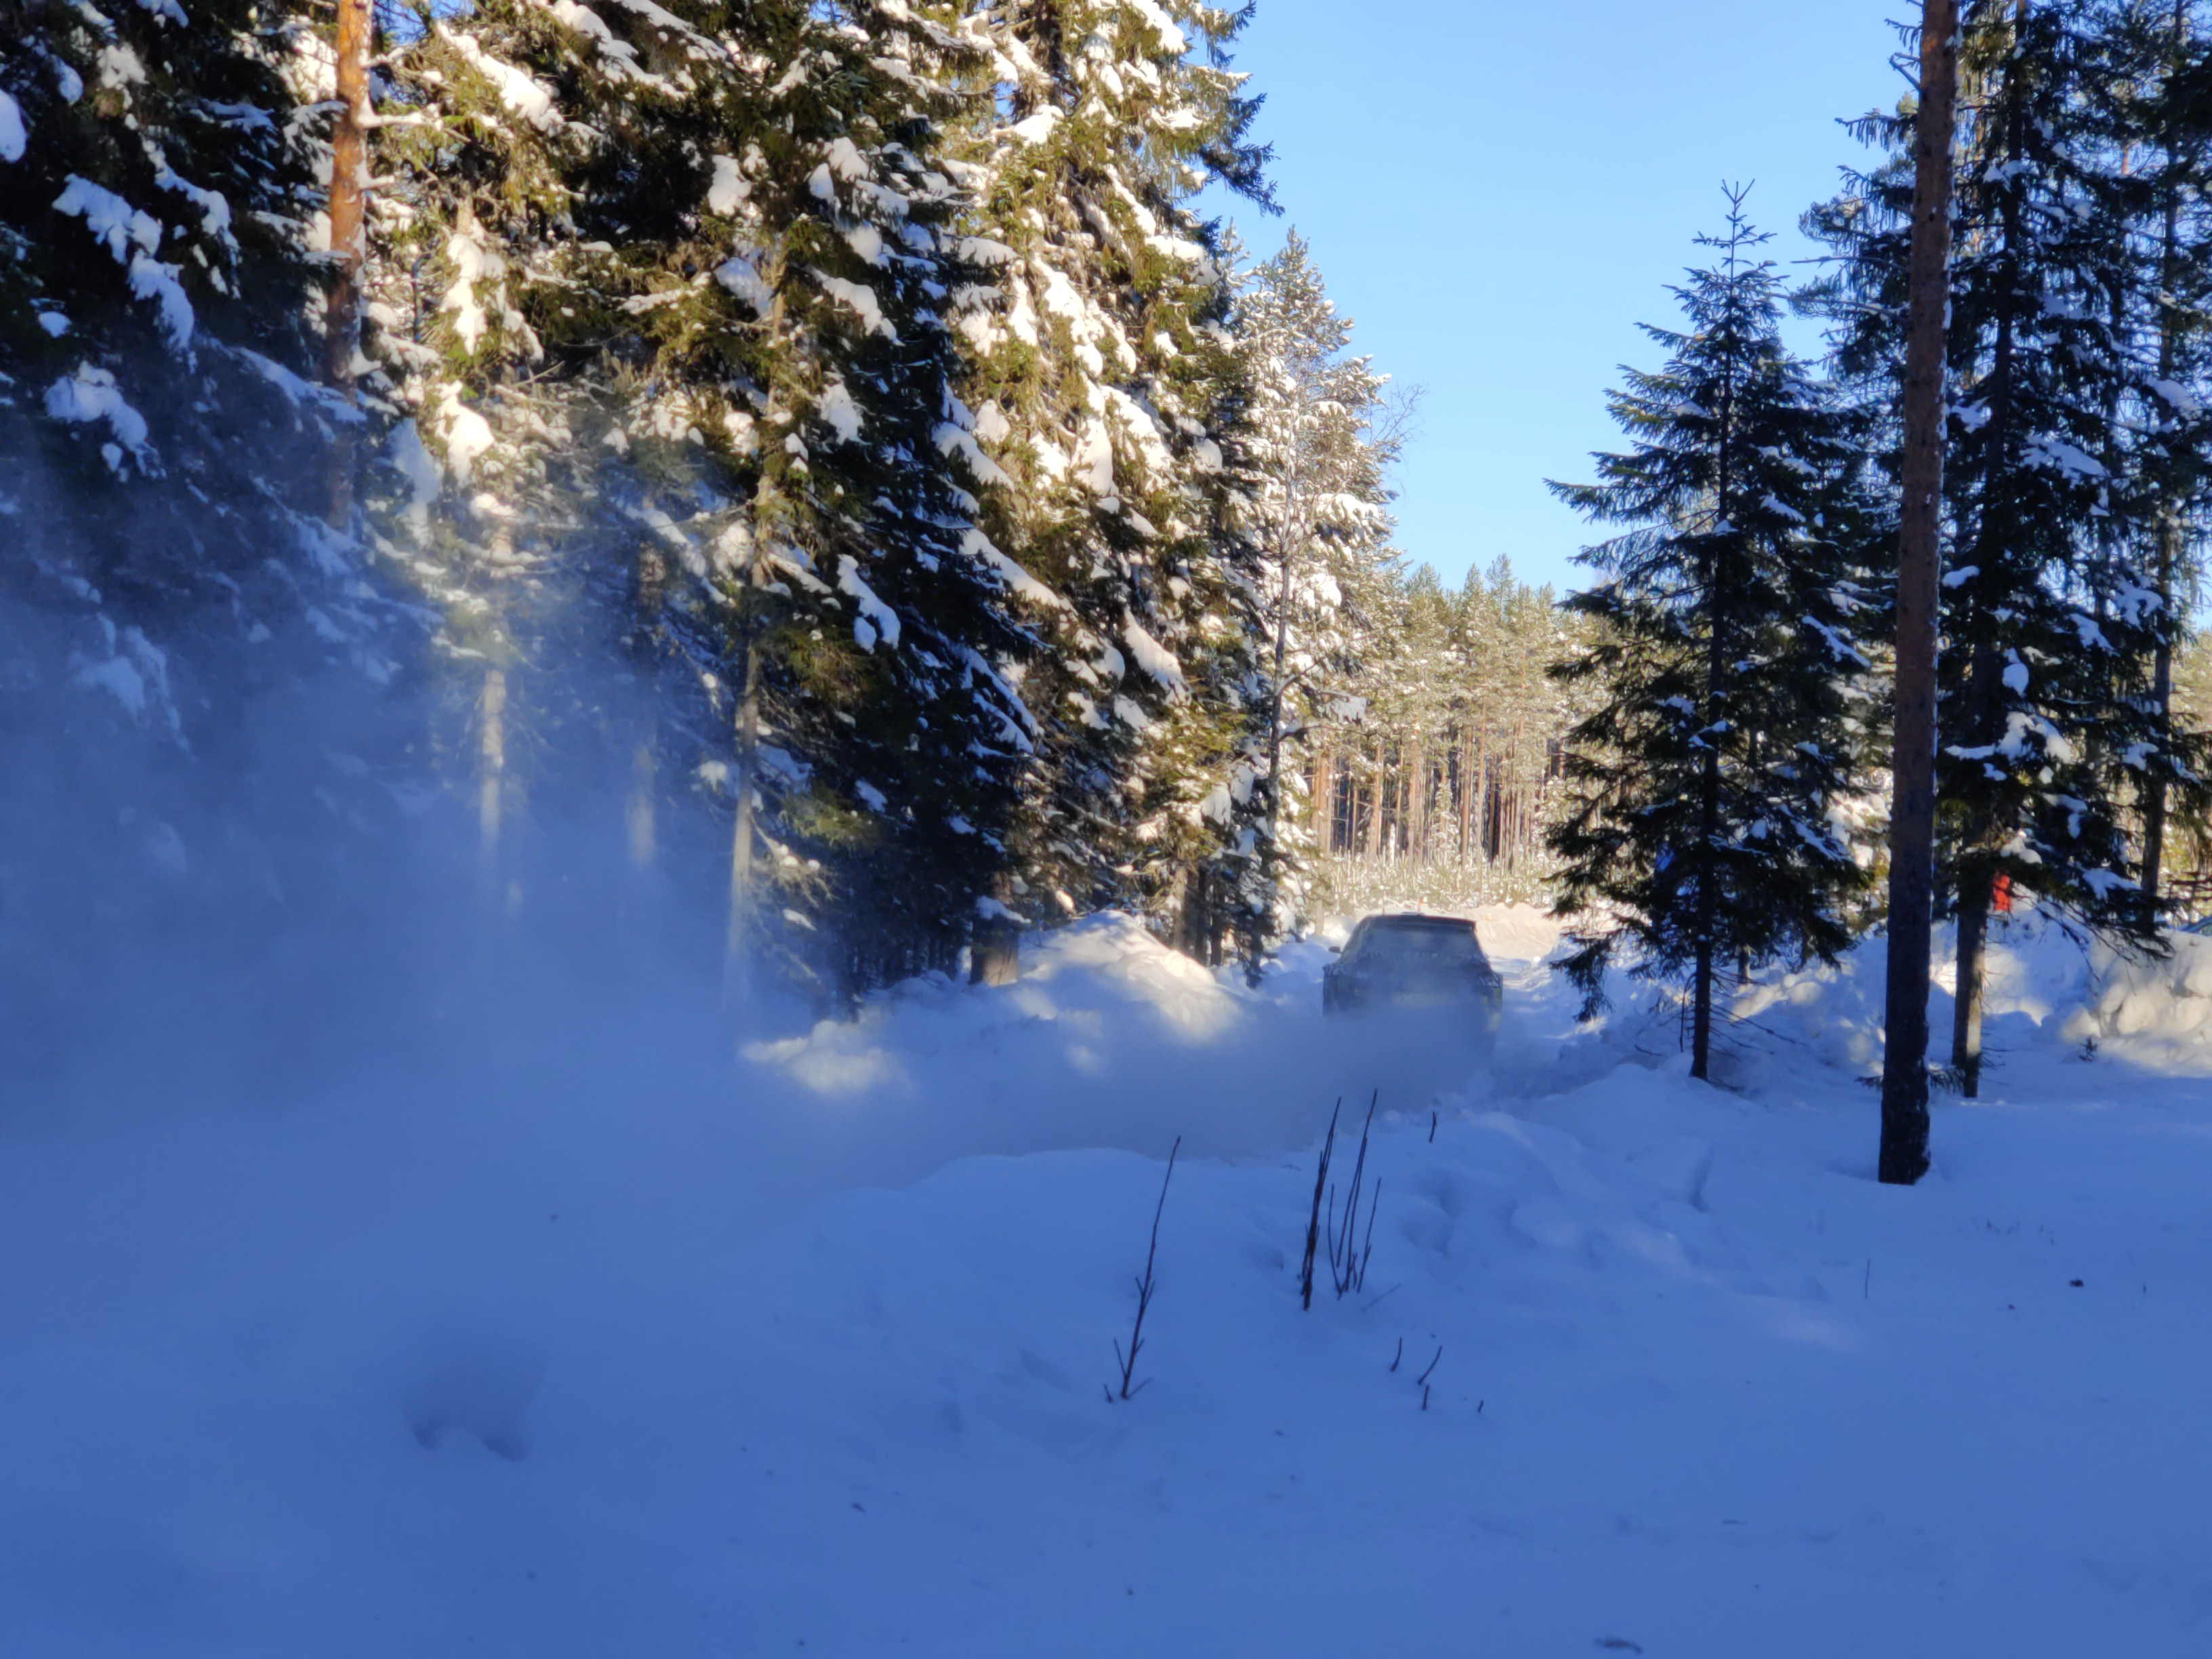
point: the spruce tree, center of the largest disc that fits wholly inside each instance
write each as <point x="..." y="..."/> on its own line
<point x="155" y="195"/>
<point x="2055" y="615"/>
<point x="700" y="277"/>
<point x="2048" y="612"/>
<point x="1106" y="387"/>
<point x="1318" y="440"/>
<point x="1724" y="644"/>
<point x="2153" y="102"/>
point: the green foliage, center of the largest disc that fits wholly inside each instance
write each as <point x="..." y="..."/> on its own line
<point x="1106" y="390"/>
<point x="1723" y="653"/>
<point x="153" y="257"/>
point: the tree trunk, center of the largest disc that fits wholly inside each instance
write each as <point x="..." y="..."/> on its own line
<point x="1520" y="732"/>
<point x="1470" y="785"/>
<point x="1482" y="795"/>
<point x="1701" y="1018"/>
<point x="638" y="816"/>
<point x="1288" y="538"/>
<point x="995" y="955"/>
<point x="742" y="834"/>
<point x="348" y="213"/>
<point x="1912" y="810"/>
<point x="2169" y="516"/>
<point x="2153" y="860"/>
<point x="1417" y="815"/>
<point x="1977" y="888"/>
<point x="1324" y="802"/>
<point x="1708" y="783"/>
<point x="491" y="775"/>
<point x="1977" y="874"/>
<point x="1374" y="813"/>
<point x="1191" y="925"/>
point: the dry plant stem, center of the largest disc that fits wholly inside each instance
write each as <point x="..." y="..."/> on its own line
<point x="1313" y="1221"/>
<point x="1146" y="1287"/>
<point x="1347" y="1265"/>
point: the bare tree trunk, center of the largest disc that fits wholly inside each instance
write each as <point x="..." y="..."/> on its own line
<point x="737" y="944"/>
<point x="744" y="832"/>
<point x="1417" y="829"/>
<point x="1977" y="891"/>
<point x="2153" y="861"/>
<point x="348" y="214"/>
<point x="1912" y="810"/>
<point x="491" y="775"/>
<point x="995" y="955"/>
<point x="1478" y="805"/>
<point x="1375" y="812"/>
<point x="1718" y="659"/>
<point x="1324" y="800"/>
<point x="1463" y="805"/>
<point x="1287" y="547"/>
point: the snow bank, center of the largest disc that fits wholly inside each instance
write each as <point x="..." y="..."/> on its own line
<point x="2153" y="1012"/>
<point x="1108" y="1039"/>
<point x="567" y="1332"/>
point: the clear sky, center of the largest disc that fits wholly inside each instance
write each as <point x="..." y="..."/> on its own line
<point x="1498" y="190"/>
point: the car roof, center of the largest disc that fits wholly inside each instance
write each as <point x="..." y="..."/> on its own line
<point x="1413" y="919"/>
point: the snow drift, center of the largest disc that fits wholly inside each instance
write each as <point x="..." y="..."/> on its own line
<point x="584" y="1335"/>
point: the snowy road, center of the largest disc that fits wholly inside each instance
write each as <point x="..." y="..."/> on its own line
<point x="674" y="1384"/>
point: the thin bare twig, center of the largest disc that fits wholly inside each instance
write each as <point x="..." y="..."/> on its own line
<point x="1313" y="1221"/>
<point x="1146" y="1287"/>
<point x="1347" y="1260"/>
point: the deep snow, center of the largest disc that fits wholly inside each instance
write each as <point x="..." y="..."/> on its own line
<point x="556" y="1356"/>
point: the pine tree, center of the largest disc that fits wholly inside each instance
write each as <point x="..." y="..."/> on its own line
<point x="1724" y="644"/>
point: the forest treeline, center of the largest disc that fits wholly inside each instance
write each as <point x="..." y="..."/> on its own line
<point x="839" y="432"/>
<point x="832" y="430"/>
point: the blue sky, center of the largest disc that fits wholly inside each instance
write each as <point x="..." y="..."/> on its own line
<point x="1498" y="190"/>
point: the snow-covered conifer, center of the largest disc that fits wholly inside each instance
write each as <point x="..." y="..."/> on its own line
<point x="1104" y="382"/>
<point x="2053" y="615"/>
<point x="1318" y="440"/>
<point x="698" y="283"/>
<point x="156" y="421"/>
<point x="1723" y="649"/>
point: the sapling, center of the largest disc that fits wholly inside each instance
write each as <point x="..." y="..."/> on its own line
<point x="1146" y="1287"/>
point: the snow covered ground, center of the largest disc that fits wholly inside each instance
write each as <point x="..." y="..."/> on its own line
<point x="807" y="1349"/>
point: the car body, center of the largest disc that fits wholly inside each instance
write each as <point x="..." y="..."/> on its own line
<point x="1415" y="962"/>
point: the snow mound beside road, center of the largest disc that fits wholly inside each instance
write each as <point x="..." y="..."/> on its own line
<point x="604" y="1346"/>
<point x="2156" y="1013"/>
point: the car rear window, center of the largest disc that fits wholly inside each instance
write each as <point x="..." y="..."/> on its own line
<point x="1422" y="939"/>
